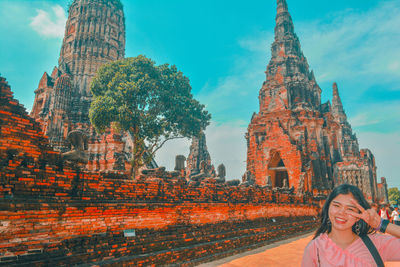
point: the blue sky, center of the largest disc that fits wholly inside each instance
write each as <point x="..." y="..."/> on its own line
<point x="223" y="47"/>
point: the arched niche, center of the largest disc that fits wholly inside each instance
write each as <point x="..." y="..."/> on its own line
<point x="277" y="170"/>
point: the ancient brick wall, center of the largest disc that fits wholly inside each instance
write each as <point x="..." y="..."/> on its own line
<point x="47" y="220"/>
<point x="21" y="136"/>
<point x="44" y="232"/>
<point x="51" y="213"/>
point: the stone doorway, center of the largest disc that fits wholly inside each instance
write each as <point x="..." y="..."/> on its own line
<point x="278" y="172"/>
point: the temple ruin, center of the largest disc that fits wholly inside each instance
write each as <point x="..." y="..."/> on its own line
<point x="294" y="139"/>
<point x="94" y="35"/>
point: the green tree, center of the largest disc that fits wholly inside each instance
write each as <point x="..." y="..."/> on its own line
<point x="394" y="196"/>
<point x="153" y="103"/>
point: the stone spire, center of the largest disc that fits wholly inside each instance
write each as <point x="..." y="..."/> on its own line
<point x="347" y="140"/>
<point x="337" y="106"/>
<point x="198" y="156"/>
<point x="286" y="41"/>
<point x="94" y="35"/>
<point x="282" y="6"/>
<point x="289" y="83"/>
<point x="58" y="112"/>
<point x="284" y="23"/>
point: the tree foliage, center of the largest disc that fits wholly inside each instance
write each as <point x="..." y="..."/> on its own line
<point x="153" y="103"/>
<point x="394" y="196"/>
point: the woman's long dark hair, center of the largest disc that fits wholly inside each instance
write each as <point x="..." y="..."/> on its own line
<point x="344" y="189"/>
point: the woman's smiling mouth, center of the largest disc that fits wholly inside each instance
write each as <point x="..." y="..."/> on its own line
<point x="340" y="220"/>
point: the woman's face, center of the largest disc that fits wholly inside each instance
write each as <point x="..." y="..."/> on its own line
<point x="338" y="212"/>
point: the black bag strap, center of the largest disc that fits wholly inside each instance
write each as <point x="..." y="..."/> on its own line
<point x="374" y="252"/>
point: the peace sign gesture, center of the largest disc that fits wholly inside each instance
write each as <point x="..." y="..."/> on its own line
<point x="369" y="216"/>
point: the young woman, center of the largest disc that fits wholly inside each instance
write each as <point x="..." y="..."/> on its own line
<point x="347" y="216"/>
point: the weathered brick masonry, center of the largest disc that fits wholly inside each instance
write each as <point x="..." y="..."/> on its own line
<point x="295" y="141"/>
<point x="53" y="214"/>
<point x="94" y="35"/>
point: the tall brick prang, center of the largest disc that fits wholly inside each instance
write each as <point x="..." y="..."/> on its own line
<point x="94" y="35"/>
<point x="289" y="83"/>
<point x="294" y="140"/>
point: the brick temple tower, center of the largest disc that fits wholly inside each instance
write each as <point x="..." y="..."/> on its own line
<point x="289" y="84"/>
<point x="94" y="35"/>
<point x="294" y="141"/>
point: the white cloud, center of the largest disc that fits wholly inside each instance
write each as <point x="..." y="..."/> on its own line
<point x="236" y="96"/>
<point x="377" y="129"/>
<point x="226" y="144"/>
<point x="395" y="66"/>
<point x="259" y="44"/>
<point x="166" y="155"/>
<point x="385" y="147"/>
<point x="355" y="45"/>
<point x="362" y="119"/>
<point x="233" y="97"/>
<point x="378" y="114"/>
<point x="50" y="24"/>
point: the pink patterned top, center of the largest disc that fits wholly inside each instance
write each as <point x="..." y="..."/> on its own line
<point x="323" y="252"/>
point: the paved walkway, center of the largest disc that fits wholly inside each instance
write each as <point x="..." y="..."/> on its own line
<point x="284" y="253"/>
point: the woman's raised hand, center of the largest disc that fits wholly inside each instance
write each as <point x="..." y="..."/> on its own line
<point x="369" y="216"/>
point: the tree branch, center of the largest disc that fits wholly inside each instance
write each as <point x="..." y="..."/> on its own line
<point x="163" y="142"/>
